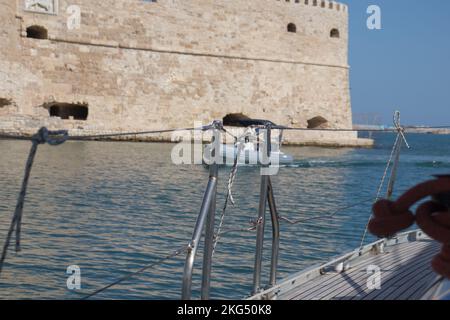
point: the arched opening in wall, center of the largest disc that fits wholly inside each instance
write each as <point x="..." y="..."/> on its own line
<point x="68" y="111"/>
<point x="318" y="123"/>
<point x="291" y="28"/>
<point x="235" y="119"/>
<point x="241" y="120"/>
<point x="334" y="33"/>
<point x="37" y="32"/>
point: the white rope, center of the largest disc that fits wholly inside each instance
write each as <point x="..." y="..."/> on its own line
<point x="399" y="128"/>
<point x="395" y="150"/>
<point x="380" y="187"/>
<point x="239" y="145"/>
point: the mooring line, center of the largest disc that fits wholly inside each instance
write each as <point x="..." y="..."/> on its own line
<point x="43" y="136"/>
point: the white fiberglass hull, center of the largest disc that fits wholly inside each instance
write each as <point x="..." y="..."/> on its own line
<point x="250" y="156"/>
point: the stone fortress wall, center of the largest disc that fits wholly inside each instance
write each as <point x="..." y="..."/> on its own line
<point x="143" y="65"/>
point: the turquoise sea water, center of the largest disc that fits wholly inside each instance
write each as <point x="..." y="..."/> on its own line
<point x="111" y="208"/>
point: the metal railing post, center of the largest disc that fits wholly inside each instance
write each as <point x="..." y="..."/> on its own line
<point x="209" y="234"/>
<point x="203" y="217"/>
<point x="260" y="222"/>
<point x="260" y="234"/>
<point x="275" y="234"/>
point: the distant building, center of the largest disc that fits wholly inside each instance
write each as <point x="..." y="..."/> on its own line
<point x="107" y="66"/>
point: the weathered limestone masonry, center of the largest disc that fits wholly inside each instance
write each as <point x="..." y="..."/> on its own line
<point x="142" y="65"/>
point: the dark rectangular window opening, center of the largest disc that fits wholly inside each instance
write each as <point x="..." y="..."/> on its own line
<point x="69" y="111"/>
<point x="5" y="102"/>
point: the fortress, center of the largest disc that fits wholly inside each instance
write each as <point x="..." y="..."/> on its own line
<point x="129" y="65"/>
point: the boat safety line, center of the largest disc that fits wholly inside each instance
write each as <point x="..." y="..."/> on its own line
<point x="118" y="134"/>
<point x="324" y="216"/>
<point x="396" y="128"/>
<point x="122" y="134"/>
<point x="141" y="270"/>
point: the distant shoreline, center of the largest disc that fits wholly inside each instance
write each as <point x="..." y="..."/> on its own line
<point x="422" y="130"/>
<point x="428" y="131"/>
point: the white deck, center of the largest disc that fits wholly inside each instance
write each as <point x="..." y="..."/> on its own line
<point x="404" y="262"/>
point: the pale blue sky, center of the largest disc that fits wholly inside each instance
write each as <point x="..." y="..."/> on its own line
<point x="404" y="66"/>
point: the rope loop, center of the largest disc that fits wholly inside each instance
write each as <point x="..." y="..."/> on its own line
<point x="53" y="138"/>
<point x="399" y="128"/>
<point x="43" y="136"/>
<point x="216" y="124"/>
<point x="397" y="119"/>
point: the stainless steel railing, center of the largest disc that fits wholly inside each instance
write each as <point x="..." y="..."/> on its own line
<point x="206" y="218"/>
<point x="266" y="197"/>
